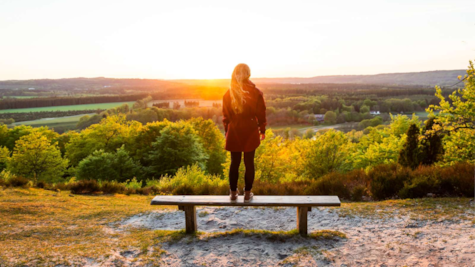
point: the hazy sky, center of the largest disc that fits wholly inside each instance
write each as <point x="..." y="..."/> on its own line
<point x="206" y="39"/>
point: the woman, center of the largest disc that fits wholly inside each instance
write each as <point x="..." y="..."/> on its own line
<point x="244" y="119"/>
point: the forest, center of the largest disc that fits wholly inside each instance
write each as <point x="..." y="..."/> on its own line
<point x="150" y="150"/>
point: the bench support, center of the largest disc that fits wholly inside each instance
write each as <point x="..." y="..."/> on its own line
<point x="190" y="218"/>
<point x="302" y="220"/>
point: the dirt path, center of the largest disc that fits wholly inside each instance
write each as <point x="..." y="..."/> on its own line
<point x="394" y="241"/>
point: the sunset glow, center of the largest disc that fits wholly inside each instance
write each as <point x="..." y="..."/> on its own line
<point x="206" y="39"/>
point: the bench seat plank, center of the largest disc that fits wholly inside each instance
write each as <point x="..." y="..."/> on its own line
<point x="276" y="201"/>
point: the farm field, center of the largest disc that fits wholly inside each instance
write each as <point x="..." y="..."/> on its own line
<point x="19" y="97"/>
<point x="51" y="122"/>
<point x="70" y="107"/>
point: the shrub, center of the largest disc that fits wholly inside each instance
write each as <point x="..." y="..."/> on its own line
<point x="133" y="184"/>
<point x="85" y="187"/>
<point x="150" y="190"/>
<point x="387" y="180"/>
<point x="191" y="180"/>
<point x="357" y="182"/>
<point x="458" y="179"/>
<point x="41" y="184"/>
<point x="424" y="180"/>
<point x="289" y="188"/>
<point x="331" y="184"/>
<point x="18" y="181"/>
<point x="358" y="192"/>
<point x="112" y="187"/>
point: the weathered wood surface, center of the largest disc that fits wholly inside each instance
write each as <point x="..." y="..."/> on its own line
<point x="302" y="213"/>
<point x="190" y="219"/>
<point x="276" y="201"/>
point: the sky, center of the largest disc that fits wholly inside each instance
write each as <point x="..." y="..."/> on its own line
<point x="205" y="39"/>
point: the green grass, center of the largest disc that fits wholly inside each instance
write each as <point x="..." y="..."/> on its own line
<point x="53" y="121"/>
<point x="19" y="96"/>
<point x="70" y="107"/>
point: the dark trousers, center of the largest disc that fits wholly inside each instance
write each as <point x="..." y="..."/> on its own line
<point x="234" y="169"/>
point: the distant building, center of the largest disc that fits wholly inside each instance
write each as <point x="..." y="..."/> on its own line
<point x="318" y="117"/>
<point x="374" y="112"/>
<point x="31" y="88"/>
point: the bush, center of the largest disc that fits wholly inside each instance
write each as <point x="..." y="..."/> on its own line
<point x="133" y="184"/>
<point x="424" y="180"/>
<point x="191" y="180"/>
<point x="331" y="184"/>
<point x="150" y="190"/>
<point x="85" y="187"/>
<point x="458" y="179"/>
<point x="290" y="188"/>
<point x="41" y="184"/>
<point x="387" y="180"/>
<point x="112" y="187"/>
<point x="18" y="181"/>
<point x="357" y="182"/>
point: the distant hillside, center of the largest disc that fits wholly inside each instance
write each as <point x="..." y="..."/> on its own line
<point x="85" y="83"/>
<point x="429" y="78"/>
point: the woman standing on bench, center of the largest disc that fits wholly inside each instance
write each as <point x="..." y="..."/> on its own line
<point x="244" y="119"/>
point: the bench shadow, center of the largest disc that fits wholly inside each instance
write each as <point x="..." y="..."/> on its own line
<point x="248" y="247"/>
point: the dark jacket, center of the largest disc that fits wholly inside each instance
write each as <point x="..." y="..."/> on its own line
<point x="242" y="130"/>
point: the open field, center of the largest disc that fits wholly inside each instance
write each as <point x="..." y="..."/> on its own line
<point x="19" y="97"/>
<point x="70" y="107"/>
<point x="51" y="122"/>
<point x="46" y="228"/>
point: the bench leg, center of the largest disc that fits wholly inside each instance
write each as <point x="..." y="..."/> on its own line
<point x="190" y="219"/>
<point x="302" y="220"/>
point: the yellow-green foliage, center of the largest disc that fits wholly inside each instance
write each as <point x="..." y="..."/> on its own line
<point x="190" y="180"/>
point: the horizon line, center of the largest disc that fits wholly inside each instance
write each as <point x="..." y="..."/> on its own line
<point x="197" y="79"/>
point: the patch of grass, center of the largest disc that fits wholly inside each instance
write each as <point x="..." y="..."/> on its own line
<point x="70" y="107"/>
<point x="435" y="209"/>
<point x="203" y="214"/>
<point x="327" y="234"/>
<point x="41" y="227"/>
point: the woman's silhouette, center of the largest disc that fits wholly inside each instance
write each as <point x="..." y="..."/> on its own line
<point x="244" y="119"/>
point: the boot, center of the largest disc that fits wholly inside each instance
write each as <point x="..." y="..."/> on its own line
<point x="234" y="195"/>
<point x="248" y="196"/>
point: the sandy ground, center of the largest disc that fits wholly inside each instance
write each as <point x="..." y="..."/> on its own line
<point x="395" y="241"/>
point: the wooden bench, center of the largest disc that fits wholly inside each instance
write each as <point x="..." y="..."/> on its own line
<point x="304" y="204"/>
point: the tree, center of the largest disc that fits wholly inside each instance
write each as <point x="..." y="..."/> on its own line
<point x="410" y="154"/>
<point x="36" y="158"/>
<point x="457" y="118"/>
<point x="177" y="146"/>
<point x="4" y="157"/>
<point x="109" y="135"/>
<point x="431" y="144"/>
<point x="100" y="165"/>
<point x="213" y="143"/>
<point x="330" y="117"/>
<point x="461" y="113"/>
<point x="326" y="153"/>
<point x="364" y="109"/>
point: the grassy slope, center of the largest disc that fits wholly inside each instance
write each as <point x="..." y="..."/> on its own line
<point x="40" y="227"/>
<point x="53" y="121"/>
<point x="66" y="108"/>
